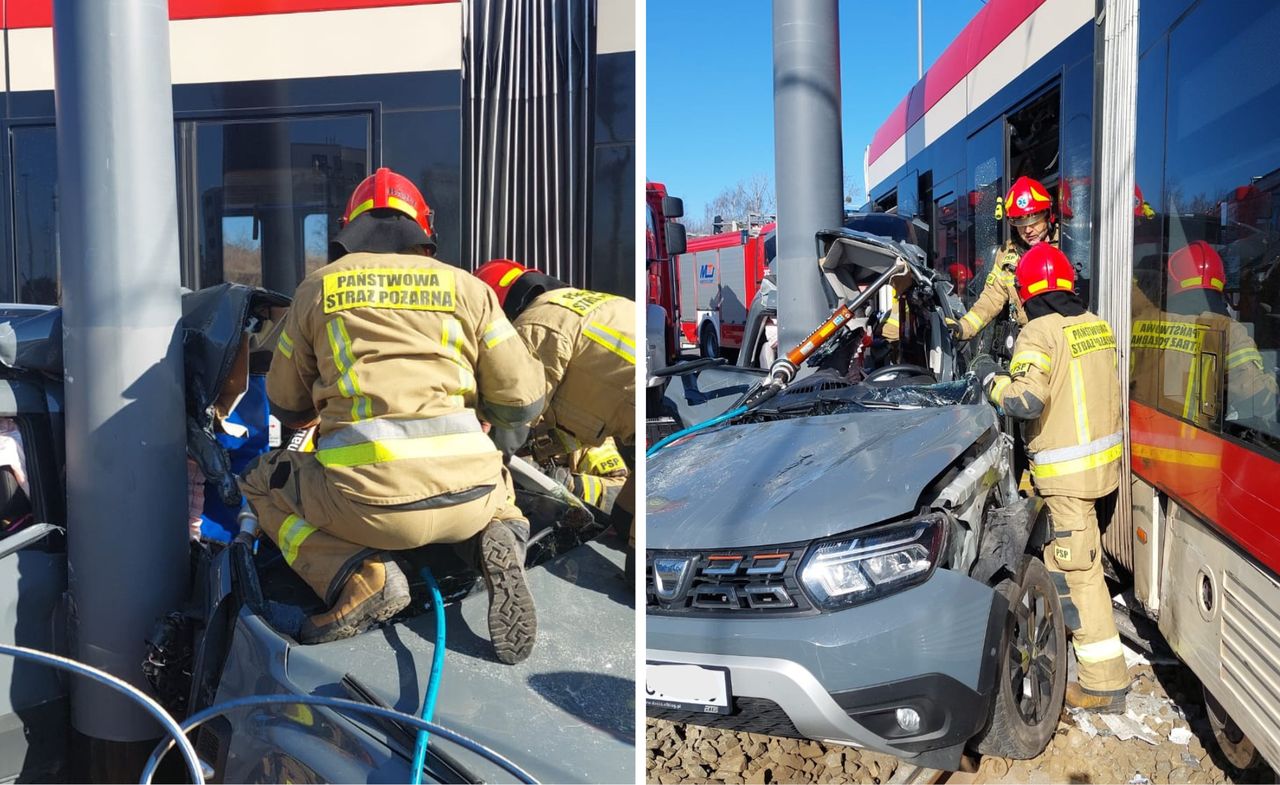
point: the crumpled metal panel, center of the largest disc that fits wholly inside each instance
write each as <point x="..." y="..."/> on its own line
<point x="803" y="478"/>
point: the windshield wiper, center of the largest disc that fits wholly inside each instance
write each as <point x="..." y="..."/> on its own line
<point x="401" y="738"/>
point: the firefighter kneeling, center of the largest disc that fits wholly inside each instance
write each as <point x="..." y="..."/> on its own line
<point x="1062" y="381"/>
<point x="586" y="341"/>
<point x="394" y="354"/>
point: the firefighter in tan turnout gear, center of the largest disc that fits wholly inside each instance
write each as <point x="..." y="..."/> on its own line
<point x="1029" y="208"/>
<point x="1194" y="359"/>
<point x="1062" y="381"/>
<point x="586" y="341"/>
<point x="394" y="354"/>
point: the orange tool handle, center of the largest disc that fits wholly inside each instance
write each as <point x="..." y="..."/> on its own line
<point x="820" y="336"/>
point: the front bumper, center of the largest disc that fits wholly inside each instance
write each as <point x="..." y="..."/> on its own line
<point x="841" y="676"/>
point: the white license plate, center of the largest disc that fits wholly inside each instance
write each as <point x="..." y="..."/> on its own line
<point x="688" y="687"/>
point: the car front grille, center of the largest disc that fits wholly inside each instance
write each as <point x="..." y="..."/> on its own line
<point x="760" y="581"/>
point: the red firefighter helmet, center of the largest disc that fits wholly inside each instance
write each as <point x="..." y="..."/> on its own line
<point x="1197" y="266"/>
<point x="1026" y="200"/>
<point x="387" y="189"/>
<point x="1141" y="209"/>
<point x="1044" y="269"/>
<point x="500" y="274"/>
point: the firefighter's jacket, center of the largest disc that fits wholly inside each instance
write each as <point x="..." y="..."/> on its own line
<point x="891" y="329"/>
<point x="1182" y="364"/>
<point x="1063" y="382"/>
<point x="396" y="354"/>
<point x="999" y="291"/>
<point x="586" y="342"/>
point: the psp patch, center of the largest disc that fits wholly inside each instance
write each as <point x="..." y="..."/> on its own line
<point x="580" y="301"/>
<point x="1061" y="554"/>
<point x="421" y="289"/>
<point x="1089" y="337"/>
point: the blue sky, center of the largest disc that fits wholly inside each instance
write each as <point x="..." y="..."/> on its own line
<point x="710" y="80"/>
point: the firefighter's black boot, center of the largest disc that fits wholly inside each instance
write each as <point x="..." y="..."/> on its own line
<point x="513" y="623"/>
<point x="374" y="593"/>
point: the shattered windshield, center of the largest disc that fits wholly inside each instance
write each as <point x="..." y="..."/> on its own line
<point x="827" y="393"/>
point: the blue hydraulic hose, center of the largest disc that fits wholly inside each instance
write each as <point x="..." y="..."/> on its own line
<point x="433" y="682"/>
<point x="729" y="415"/>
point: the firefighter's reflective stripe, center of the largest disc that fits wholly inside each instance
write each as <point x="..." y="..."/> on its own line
<point x="497" y="332"/>
<point x="285" y="345"/>
<point x="400" y="449"/>
<point x="998" y="387"/>
<point x="344" y="359"/>
<point x="381" y="440"/>
<point x="973" y="319"/>
<point x="1045" y="469"/>
<point x="1246" y="355"/>
<point x="1039" y="286"/>
<point x="1099" y="651"/>
<point x="1199" y="281"/>
<point x="612" y="340"/>
<point x="509" y="277"/>
<point x="1024" y="360"/>
<point x="592" y="489"/>
<point x="1079" y="450"/>
<point x="293" y="533"/>
<point x="1189" y="398"/>
<point x="451" y="338"/>
<point x="1078" y="396"/>
<point x="387" y="429"/>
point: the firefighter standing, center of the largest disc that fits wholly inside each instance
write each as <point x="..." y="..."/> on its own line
<point x="586" y="341"/>
<point x="1062" y="381"/>
<point x="393" y="353"/>
<point x="1030" y="209"/>
<point x="1180" y="355"/>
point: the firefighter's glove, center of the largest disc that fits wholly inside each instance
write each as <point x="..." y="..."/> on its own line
<point x="957" y="331"/>
<point x="991" y="375"/>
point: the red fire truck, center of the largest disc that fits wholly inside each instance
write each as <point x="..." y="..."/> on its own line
<point x="664" y="239"/>
<point x="719" y="276"/>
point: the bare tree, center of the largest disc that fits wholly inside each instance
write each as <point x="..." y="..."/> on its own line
<point x="753" y="195"/>
<point x="854" y="196"/>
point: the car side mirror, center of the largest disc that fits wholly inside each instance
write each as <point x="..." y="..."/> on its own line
<point x="675" y="239"/>
<point x="672" y="207"/>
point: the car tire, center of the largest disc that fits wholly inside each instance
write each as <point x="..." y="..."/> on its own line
<point x="1032" y="669"/>
<point x="708" y="344"/>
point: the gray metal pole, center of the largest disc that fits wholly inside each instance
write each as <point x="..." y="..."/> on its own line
<point x="126" y="475"/>
<point x="807" y="150"/>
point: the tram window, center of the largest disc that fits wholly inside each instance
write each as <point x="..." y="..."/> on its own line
<point x="35" y="215"/>
<point x="315" y="234"/>
<point x="1222" y="186"/>
<point x="1075" y="191"/>
<point x="271" y="177"/>
<point x="946" y="240"/>
<point x="241" y="251"/>
<point x="984" y="155"/>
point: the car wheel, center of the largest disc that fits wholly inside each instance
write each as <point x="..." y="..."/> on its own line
<point x="1235" y="746"/>
<point x="1032" y="669"/>
<point x="707" y="343"/>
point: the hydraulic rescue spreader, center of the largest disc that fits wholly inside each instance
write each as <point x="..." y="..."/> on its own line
<point x="785" y="368"/>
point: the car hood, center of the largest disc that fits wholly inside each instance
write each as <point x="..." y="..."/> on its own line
<point x="566" y="714"/>
<point x="802" y="478"/>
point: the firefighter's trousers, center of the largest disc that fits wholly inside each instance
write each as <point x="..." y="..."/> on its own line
<point x="1074" y="559"/>
<point x="324" y="535"/>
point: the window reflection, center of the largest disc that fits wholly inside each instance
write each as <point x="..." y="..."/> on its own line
<point x="1207" y="260"/>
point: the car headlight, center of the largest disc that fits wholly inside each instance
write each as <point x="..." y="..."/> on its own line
<point x="855" y="568"/>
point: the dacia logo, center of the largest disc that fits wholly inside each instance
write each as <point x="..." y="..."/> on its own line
<point x="670" y="574"/>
